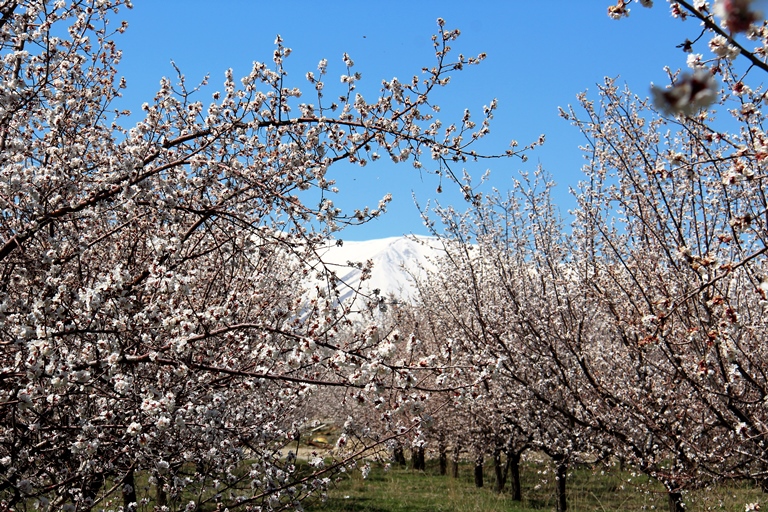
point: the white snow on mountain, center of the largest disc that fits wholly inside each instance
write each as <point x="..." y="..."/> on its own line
<point x="395" y="260"/>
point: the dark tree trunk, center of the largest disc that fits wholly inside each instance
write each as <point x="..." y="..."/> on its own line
<point x="399" y="456"/>
<point x="161" y="497"/>
<point x="443" y="455"/>
<point x="455" y="466"/>
<point x="675" y="498"/>
<point x="561" y="472"/>
<point x="129" y="490"/>
<point x="499" y="470"/>
<point x="417" y="458"/>
<point x="92" y="487"/>
<point x="513" y="464"/>
<point x="479" y="471"/>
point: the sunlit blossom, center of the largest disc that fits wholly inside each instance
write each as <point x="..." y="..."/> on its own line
<point x="722" y="48"/>
<point x="134" y="429"/>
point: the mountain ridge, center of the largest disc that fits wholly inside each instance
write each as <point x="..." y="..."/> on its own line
<point x="395" y="259"/>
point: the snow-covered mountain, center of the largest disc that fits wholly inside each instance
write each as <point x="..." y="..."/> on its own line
<point x="395" y="259"/>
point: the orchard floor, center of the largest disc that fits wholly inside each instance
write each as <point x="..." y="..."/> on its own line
<point x="589" y="489"/>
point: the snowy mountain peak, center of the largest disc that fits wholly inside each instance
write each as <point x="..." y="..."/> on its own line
<point x="395" y="260"/>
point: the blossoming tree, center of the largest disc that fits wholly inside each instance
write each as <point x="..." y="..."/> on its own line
<point x="510" y="307"/>
<point x="673" y="211"/>
<point x="152" y="303"/>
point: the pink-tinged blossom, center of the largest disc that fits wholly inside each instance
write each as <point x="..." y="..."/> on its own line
<point x="688" y="95"/>
<point x="736" y="15"/>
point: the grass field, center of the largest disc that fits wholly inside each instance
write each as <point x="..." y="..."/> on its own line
<point x="396" y="489"/>
<point x="404" y="490"/>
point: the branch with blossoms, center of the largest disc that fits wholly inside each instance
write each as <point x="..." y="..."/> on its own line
<point x="401" y="127"/>
<point x="737" y="16"/>
<point x="155" y="358"/>
<point x="691" y="93"/>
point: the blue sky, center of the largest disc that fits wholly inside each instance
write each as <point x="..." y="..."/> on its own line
<point x="540" y="55"/>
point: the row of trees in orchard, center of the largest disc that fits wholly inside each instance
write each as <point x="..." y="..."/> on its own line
<point x="155" y="322"/>
<point x="165" y="315"/>
<point x="638" y="335"/>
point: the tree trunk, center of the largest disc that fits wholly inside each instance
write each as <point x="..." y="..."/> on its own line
<point x="455" y="466"/>
<point x="417" y="458"/>
<point x="443" y="457"/>
<point x="513" y="464"/>
<point x="562" y="473"/>
<point x="92" y="487"/>
<point x="499" y="470"/>
<point x="479" y="471"/>
<point x="675" y="498"/>
<point x="161" y="497"/>
<point x="129" y="490"/>
<point x="399" y="456"/>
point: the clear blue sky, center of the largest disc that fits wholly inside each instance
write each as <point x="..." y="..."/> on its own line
<point x="540" y="55"/>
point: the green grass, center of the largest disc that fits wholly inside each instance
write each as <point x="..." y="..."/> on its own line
<point x="601" y="488"/>
<point x="404" y="490"/>
<point x="588" y="490"/>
